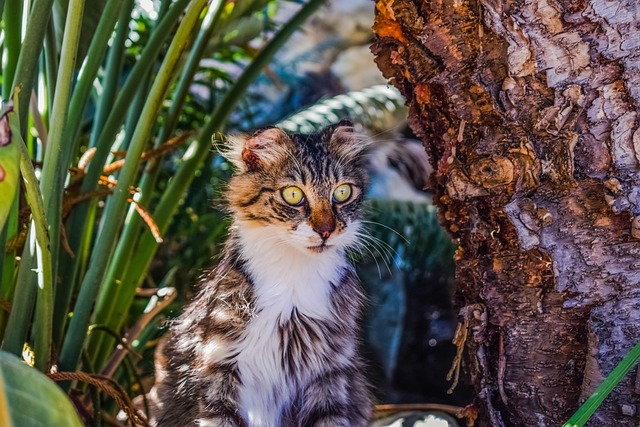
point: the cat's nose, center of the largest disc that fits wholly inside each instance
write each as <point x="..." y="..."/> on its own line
<point x="323" y="222"/>
<point x="325" y="229"/>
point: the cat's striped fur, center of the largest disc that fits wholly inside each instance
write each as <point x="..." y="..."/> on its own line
<point x="271" y="338"/>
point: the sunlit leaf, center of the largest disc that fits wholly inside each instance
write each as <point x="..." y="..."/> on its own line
<point x="9" y="166"/>
<point x="32" y="398"/>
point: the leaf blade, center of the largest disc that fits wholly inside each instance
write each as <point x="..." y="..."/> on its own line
<point x="32" y="398"/>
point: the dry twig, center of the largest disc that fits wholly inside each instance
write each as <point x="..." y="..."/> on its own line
<point x="107" y="386"/>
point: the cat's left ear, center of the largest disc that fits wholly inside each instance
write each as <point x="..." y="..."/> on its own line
<point x="256" y="152"/>
<point x="345" y="140"/>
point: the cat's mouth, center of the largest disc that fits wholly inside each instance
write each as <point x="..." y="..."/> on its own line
<point x="320" y="248"/>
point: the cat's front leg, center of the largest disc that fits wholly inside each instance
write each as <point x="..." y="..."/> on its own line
<point x="337" y="399"/>
<point x="218" y="404"/>
<point x="219" y="414"/>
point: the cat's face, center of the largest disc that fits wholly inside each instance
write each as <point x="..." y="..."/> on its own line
<point x="304" y="191"/>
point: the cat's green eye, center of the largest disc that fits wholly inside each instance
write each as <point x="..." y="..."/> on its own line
<point x="342" y="193"/>
<point x="293" y="195"/>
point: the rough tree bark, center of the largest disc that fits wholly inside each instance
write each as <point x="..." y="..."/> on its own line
<point x="529" y="111"/>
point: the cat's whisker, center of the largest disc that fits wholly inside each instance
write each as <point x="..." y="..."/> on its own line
<point x="385" y="254"/>
<point x="380" y="241"/>
<point x="388" y="228"/>
<point x="362" y="245"/>
<point x="385" y="247"/>
<point x="381" y="248"/>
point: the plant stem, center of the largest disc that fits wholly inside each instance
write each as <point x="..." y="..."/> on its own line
<point x="91" y="65"/>
<point x="44" y="305"/>
<point x="50" y="62"/>
<point x="79" y="101"/>
<point x="12" y="24"/>
<point x="39" y="242"/>
<point x="117" y="112"/>
<point x="29" y="54"/>
<point x="117" y="204"/>
<point x="23" y="300"/>
<point x="133" y="227"/>
<point x="119" y="109"/>
<point x="58" y="150"/>
<point x="81" y="214"/>
<point x="112" y="73"/>
<point x="27" y="64"/>
<point x="8" y="262"/>
<point x="193" y="61"/>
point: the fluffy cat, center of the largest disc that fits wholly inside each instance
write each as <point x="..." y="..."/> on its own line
<point x="270" y="340"/>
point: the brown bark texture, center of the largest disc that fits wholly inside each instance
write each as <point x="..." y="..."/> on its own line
<point x="529" y="110"/>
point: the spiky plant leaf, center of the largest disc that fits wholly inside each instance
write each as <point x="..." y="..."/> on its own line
<point x="379" y="107"/>
<point x="594" y="401"/>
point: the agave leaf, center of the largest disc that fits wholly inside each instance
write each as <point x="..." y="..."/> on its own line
<point x="32" y="398"/>
<point x="377" y="107"/>
<point x="9" y="165"/>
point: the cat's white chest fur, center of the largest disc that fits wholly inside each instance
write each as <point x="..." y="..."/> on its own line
<point x="285" y="278"/>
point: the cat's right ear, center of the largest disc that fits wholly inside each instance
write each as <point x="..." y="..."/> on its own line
<point x="345" y="141"/>
<point x="259" y="151"/>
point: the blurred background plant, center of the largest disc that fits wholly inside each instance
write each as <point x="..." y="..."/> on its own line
<point x="110" y="112"/>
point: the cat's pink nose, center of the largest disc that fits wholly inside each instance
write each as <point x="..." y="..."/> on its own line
<point x="325" y="230"/>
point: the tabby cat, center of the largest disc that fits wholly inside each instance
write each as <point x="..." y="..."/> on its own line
<point x="271" y="338"/>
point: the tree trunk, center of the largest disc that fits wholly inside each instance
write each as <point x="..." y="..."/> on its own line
<point x="529" y="111"/>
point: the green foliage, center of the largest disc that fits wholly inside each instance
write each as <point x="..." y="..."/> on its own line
<point x="9" y="159"/>
<point x="587" y="409"/>
<point x="104" y="78"/>
<point x="32" y="399"/>
<point x="39" y="240"/>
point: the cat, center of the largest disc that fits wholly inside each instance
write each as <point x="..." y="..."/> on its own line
<point x="271" y="338"/>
